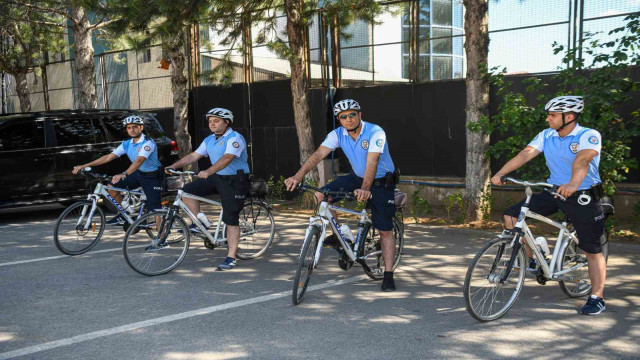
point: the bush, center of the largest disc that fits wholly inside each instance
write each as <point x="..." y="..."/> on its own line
<point x="605" y="85"/>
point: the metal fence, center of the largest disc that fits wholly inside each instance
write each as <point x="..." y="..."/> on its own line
<point x="411" y="41"/>
<point x="124" y="80"/>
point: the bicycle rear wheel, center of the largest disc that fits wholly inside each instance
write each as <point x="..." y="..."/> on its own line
<point x="305" y="265"/>
<point x="160" y="253"/>
<point x="373" y="250"/>
<point x="572" y="256"/>
<point x="486" y="298"/>
<point x="257" y="228"/>
<point x="77" y="230"/>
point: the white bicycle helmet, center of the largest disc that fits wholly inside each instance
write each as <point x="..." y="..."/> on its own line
<point x="344" y="105"/>
<point x="563" y="104"/>
<point x="221" y="113"/>
<point x="133" y="119"/>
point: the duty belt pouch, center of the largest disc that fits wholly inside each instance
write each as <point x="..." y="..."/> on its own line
<point x="242" y="185"/>
<point x="597" y="191"/>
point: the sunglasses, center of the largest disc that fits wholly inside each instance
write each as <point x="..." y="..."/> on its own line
<point x="351" y="115"/>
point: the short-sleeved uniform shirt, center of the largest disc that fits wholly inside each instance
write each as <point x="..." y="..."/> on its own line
<point x="561" y="152"/>
<point x="231" y="142"/>
<point x="371" y="139"/>
<point x="144" y="147"/>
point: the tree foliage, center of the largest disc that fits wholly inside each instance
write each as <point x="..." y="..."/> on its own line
<point x="602" y="77"/>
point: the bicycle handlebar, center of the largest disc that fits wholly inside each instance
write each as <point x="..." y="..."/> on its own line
<point x="344" y="194"/>
<point x="175" y="172"/>
<point x="87" y="171"/>
<point x="547" y="187"/>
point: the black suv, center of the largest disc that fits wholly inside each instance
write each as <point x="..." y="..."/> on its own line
<point x="39" y="150"/>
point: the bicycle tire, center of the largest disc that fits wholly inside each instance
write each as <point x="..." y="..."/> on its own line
<point x="160" y="254"/>
<point x="372" y="244"/>
<point x="573" y="255"/>
<point x="305" y="265"/>
<point x="489" y="279"/>
<point x="255" y="216"/>
<point x="63" y="238"/>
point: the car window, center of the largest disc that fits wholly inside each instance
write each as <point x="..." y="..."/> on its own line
<point x="77" y="132"/>
<point x="22" y="135"/>
<point x="117" y="131"/>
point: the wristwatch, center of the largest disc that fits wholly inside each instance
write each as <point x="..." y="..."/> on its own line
<point x="125" y="174"/>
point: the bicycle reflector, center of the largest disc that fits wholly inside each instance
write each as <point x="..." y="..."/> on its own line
<point x="174" y="145"/>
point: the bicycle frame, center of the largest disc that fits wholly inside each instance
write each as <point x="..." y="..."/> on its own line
<point x="178" y="203"/>
<point x="101" y="190"/>
<point x="553" y="270"/>
<point x="324" y="217"/>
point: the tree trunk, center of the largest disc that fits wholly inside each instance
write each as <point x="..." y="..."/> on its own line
<point x="478" y="172"/>
<point x="176" y="53"/>
<point x="85" y="67"/>
<point x="23" y="91"/>
<point x="300" y="82"/>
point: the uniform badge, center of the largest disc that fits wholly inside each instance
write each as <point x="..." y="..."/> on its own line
<point x="147" y="148"/>
<point x="574" y="147"/>
<point x="137" y="148"/>
<point x="235" y="144"/>
<point x="379" y="142"/>
<point x="365" y="144"/>
<point x="220" y="143"/>
<point x="594" y="140"/>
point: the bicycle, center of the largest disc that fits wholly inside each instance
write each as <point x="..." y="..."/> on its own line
<point x="81" y="225"/>
<point x="496" y="275"/>
<point x="366" y="250"/>
<point x="164" y="252"/>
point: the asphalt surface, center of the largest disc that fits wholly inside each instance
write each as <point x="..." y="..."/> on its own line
<point x="94" y="306"/>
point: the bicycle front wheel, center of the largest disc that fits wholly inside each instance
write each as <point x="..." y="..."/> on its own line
<point x="305" y="265"/>
<point x="256" y="230"/>
<point x="77" y="229"/>
<point x="160" y="253"/>
<point x="485" y="296"/>
<point x="572" y="256"/>
<point x="373" y="250"/>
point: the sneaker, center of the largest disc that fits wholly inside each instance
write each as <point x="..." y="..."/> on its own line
<point x="116" y="220"/>
<point x="594" y="306"/>
<point x="331" y="241"/>
<point x="193" y="229"/>
<point x="533" y="265"/>
<point x="228" y="264"/>
<point x="387" y="283"/>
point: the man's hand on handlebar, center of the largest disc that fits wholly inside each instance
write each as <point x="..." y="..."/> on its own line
<point x="116" y="178"/>
<point x="292" y="182"/>
<point x="497" y="179"/>
<point x="77" y="169"/>
<point x="362" y="194"/>
<point x="567" y="190"/>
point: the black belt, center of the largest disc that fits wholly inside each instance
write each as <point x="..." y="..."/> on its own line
<point x="376" y="182"/>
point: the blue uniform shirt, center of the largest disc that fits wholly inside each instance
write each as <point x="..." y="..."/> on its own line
<point x="371" y="139"/>
<point x="144" y="147"/>
<point x="560" y="152"/>
<point x="231" y="142"/>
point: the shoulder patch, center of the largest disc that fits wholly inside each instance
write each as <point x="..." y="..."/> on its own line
<point x="147" y="148"/>
<point x="594" y="140"/>
<point x="379" y="142"/>
<point x="235" y="144"/>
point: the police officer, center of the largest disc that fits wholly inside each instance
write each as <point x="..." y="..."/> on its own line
<point x="365" y="145"/>
<point x="145" y="170"/>
<point x="572" y="153"/>
<point x="227" y="176"/>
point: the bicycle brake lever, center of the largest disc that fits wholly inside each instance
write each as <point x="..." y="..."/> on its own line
<point x="558" y="195"/>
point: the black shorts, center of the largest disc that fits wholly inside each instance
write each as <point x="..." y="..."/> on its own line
<point x="588" y="220"/>
<point x="383" y="206"/>
<point x="151" y="184"/>
<point x="233" y="190"/>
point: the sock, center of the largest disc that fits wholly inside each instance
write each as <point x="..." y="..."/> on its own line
<point x="388" y="275"/>
<point x="595" y="297"/>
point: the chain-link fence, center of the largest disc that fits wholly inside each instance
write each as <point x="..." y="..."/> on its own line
<point x="124" y="80"/>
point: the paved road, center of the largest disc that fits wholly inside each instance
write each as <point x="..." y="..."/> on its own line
<point x="94" y="306"/>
